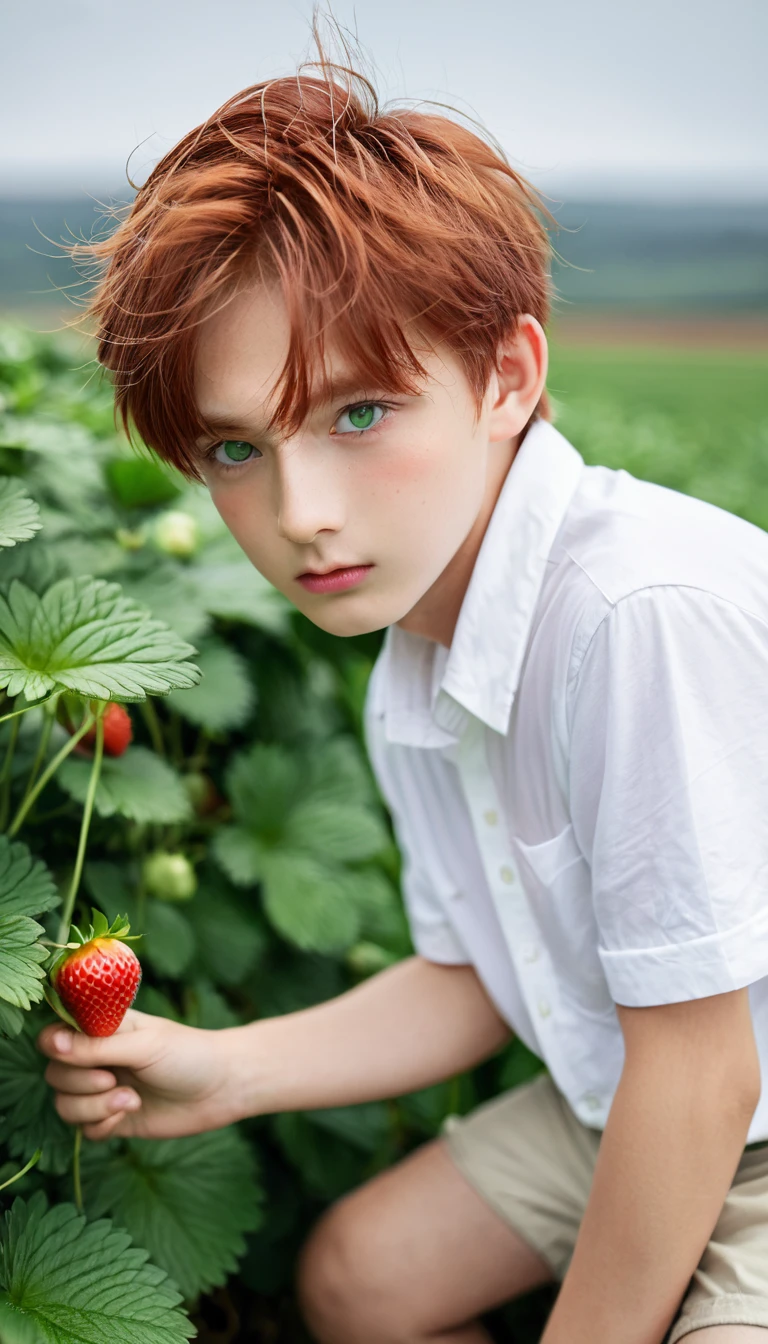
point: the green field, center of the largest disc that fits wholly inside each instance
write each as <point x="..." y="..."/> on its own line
<point x="693" y="420"/>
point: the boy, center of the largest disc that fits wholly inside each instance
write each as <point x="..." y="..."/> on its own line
<point x="333" y="315"/>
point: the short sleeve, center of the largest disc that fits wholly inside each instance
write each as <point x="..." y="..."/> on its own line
<point x="668" y="782"/>
<point x="432" y="934"/>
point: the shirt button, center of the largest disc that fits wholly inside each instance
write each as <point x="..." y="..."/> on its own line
<point x="544" y="1007"/>
<point x="592" y="1101"/>
<point x="506" y="873"/>
<point x="491" y="817"/>
<point x="531" y="953"/>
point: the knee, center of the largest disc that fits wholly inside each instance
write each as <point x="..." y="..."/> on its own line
<point x="339" y="1289"/>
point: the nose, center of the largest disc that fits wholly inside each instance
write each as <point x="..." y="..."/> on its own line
<point x="309" y="492"/>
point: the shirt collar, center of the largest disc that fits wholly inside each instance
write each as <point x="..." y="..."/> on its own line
<point x="425" y="691"/>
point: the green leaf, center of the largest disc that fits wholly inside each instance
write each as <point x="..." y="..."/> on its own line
<point x="19" y="515"/>
<point x="262" y="784"/>
<point x="307" y="903"/>
<point x="170" y="940"/>
<point x="16" y="1329"/>
<point x="328" y="1166"/>
<point x="83" y="1282"/>
<point x="138" y="785"/>
<point x="11" y="1020"/>
<point x="240" y="854"/>
<point x="21" y="975"/>
<point x="335" y="831"/>
<point x="138" y="482"/>
<point x="189" y="1201"/>
<point x="83" y="634"/>
<point x="338" y="772"/>
<point x="231" y="938"/>
<point x="171" y="596"/>
<point x="231" y="588"/>
<point x="26" y="885"/>
<point x="225" y="697"/>
<point x="28" y="1117"/>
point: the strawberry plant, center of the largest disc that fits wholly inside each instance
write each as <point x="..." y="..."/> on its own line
<point x="180" y="759"/>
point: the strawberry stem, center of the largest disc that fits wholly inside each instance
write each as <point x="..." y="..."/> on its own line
<point x="152" y="721"/>
<point x="76" y="1169"/>
<point x="67" y="912"/>
<point x="33" y="1159"/>
<point x="6" y="774"/>
<point x="37" y="705"/>
<point x="42" y="747"/>
<point x="69" y="746"/>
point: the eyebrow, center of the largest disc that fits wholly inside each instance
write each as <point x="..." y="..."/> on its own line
<point x="345" y="385"/>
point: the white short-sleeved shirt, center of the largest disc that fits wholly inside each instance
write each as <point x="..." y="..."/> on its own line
<point x="579" y="786"/>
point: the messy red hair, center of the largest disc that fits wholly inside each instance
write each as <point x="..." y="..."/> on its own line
<point x="369" y="219"/>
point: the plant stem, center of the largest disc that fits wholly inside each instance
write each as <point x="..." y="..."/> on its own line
<point x="6" y="775"/>
<point x="33" y="1159"/>
<point x="76" y="1169"/>
<point x="69" y="746"/>
<point x="42" y="747"/>
<point x="69" y="906"/>
<point x="153" y="724"/>
<point x="27" y="708"/>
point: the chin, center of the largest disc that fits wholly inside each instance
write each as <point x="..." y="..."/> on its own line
<point x="344" y="620"/>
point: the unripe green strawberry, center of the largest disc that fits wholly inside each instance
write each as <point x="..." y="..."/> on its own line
<point x="366" y="959"/>
<point x="176" y="533"/>
<point x="97" y="975"/>
<point x="170" y="877"/>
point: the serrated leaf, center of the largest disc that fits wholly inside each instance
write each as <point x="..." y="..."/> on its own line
<point x="26" y="884"/>
<point x="189" y="1201"/>
<point x="19" y="515"/>
<point x="307" y="903"/>
<point x="85" y="635"/>
<point x="334" y="831"/>
<point x="138" y="785"/>
<point x="29" y="1119"/>
<point x="83" y="1282"/>
<point x="225" y="697"/>
<point x="21" y="976"/>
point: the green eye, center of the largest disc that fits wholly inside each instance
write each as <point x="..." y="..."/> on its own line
<point x="232" y="452"/>
<point x="363" y="416"/>
<point x="236" y="450"/>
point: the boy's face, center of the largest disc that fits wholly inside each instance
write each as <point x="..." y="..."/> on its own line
<point x="394" y="482"/>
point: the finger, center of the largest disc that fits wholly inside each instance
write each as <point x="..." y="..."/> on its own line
<point x="59" y="1041"/>
<point x="88" y="1110"/>
<point x="120" y="1125"/>
<point x="65" y="1078"/>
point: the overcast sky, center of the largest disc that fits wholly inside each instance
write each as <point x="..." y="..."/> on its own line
<point x="609" y="95"/>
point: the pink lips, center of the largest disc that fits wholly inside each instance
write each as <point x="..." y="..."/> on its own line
<point x="335" y="581"/>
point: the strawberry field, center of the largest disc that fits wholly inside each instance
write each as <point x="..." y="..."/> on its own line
<point x="181" y="756"/>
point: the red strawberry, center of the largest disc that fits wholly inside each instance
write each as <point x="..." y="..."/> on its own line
<point x="97" y="981"/>
<point x="118" y="729"/>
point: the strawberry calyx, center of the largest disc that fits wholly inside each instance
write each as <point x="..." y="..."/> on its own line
<point x="99" y="928"/>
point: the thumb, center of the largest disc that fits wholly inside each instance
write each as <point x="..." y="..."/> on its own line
<point x="125" y="1046"/>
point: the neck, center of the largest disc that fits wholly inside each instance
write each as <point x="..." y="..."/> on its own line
<point x="436" y="613"/>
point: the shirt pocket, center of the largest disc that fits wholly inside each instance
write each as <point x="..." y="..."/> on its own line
<point x="558" y="884"/>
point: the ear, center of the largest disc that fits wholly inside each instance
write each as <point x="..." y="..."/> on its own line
<point x="519" y="379"/>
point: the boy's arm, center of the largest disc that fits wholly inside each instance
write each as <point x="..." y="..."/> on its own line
<point x="669" y="1152"/>
<point x="413" y="1024"/>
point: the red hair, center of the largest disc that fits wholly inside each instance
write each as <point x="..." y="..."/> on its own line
<point x="367" y="218"/>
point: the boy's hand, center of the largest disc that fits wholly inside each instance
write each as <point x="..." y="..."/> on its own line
<point x="175" y="1077"/>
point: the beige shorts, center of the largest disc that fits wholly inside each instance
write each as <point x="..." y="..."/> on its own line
<point x="532" y="1160"/>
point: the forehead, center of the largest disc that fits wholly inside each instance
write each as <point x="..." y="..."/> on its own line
<point x="241" y="350"/>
